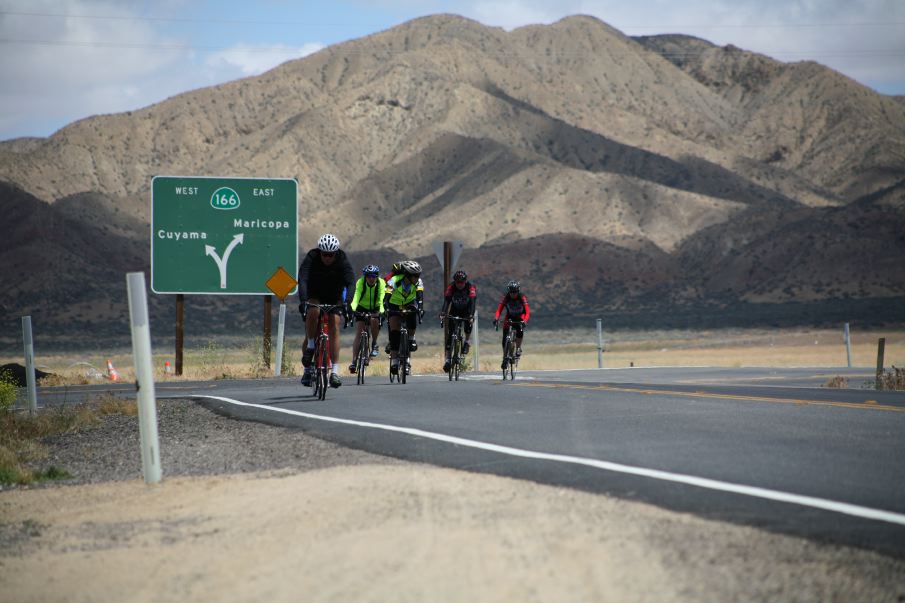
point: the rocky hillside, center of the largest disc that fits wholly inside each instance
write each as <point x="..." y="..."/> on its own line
<point x="659" y="172"/>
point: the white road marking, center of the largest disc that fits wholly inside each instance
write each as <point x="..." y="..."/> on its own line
<point x="700" y="482"/>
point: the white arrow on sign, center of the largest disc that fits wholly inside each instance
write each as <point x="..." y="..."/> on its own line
<point x="221" y="262"/>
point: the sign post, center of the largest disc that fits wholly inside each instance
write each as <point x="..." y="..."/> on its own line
<point x="281" y="283"/>
<point x="448" y="253"/>
<point x="220" y="236"/>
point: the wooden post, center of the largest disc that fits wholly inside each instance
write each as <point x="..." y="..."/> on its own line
<point x="881" y="350"/>
<point x="267" y="321"/>
<point x="447" y="263"/>
<point x="180" y="304"/>
<point x="599" y="343"/>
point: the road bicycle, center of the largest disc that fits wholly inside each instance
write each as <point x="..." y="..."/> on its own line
<point x="510" y="350"/>
<point x="321" y="361"/>
<point x="456" y="341"/>
<point x="404" y="352"/>
<point x="363" y="360"/>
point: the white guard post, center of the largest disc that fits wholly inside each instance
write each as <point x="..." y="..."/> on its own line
<point x="477" y="343"/>
<point x="144" y="375"/>
<point x="280" y="330"/>
<point x="29" y="365"/>
<point x="846" y="336"/>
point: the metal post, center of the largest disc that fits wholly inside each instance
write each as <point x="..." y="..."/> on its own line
<point x="29" y="365"/>
<point x="477" y="344"/>
<point x="599" y="343"/>
<point x="144" y="377"/>
<point x="281" y="326"/>
<point x="180" y="305"/>
<point x="268" y="313"/>
<point x="881" y="350"/>
<point x="848" y="345"/>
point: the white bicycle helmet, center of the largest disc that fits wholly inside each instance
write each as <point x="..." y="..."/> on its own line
<point x="329" y="243"/>
<point x="411" y="267"/>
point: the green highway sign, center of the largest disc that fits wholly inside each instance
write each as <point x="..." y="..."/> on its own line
<point x="221" y="236"/>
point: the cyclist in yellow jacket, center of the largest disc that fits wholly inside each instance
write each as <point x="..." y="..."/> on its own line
<point x="404" y="290"/>
<point x="368" y="299"/>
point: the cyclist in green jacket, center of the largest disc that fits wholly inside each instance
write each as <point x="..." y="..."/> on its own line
<point x="404" y="290"/>
<point x="368" y="299"/>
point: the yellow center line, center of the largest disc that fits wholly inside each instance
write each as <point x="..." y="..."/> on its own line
<point x="868" y="404"/>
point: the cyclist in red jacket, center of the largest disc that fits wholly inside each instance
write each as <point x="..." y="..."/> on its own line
<point x="516" y="305"/>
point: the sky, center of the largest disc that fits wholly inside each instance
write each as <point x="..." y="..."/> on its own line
<point x="63" y="60"/>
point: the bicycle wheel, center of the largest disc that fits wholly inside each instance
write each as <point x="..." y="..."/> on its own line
<point x="452" y="357"/>
<point x="457" y="359"/>
<point x="315" y="369"/>
<point x="393" y="378"/>
<point x="322" y="382"/>
<point x="507" y="356"/>
<point x="321" y="368"/>
<point x="512" y="360"/>
<point x="403" y="356"/>
<point x="364" y="353"/>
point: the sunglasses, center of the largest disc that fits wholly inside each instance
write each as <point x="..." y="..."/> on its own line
<point x="327" y="254"/>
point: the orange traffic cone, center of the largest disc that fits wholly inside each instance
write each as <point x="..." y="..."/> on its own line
<point x="112" y="375"/>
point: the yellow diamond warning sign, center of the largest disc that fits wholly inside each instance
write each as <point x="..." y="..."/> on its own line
<point x="281" y="283"/>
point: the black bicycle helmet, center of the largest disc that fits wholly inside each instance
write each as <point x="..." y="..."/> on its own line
<point x="460" y="276"/>
<point x="513" y="287"/>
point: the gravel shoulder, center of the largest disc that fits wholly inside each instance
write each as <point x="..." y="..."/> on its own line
<point x="250" y="512"/>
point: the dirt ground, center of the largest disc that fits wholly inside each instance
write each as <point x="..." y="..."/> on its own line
<point x="400" y="533"/>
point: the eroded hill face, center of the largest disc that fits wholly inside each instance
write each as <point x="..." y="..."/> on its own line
<point x="658" y="169"/>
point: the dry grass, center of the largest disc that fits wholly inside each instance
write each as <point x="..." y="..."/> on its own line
<point x="21" y="435"/>
<point x="893" y="378"/>
<point x="242" y="359"/>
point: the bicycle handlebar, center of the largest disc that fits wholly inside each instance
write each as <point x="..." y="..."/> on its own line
<point x="404" y="311"/>
<point x="327" y="309"/>
<point x="508" y="322"/>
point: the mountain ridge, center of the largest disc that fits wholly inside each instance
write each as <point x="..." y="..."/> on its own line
<point x="690" y="174"/>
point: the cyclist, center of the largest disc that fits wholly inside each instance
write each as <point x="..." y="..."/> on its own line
<point x="459" y="300"/>
<point x="404" y="290"/>
<point x="516" y="305"/>
<point x="396" y="270"/>
<point x="323" y="274"/>
<point x="369" y="292"/>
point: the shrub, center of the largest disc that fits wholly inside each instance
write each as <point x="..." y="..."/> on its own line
<point x="8" y="391"/>
<point x="837" y="381"/>
<point x="893" y="378"/>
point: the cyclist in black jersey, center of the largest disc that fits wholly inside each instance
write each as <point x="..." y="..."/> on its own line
<point x="459" y="300"/>
<point x="323" y="275"/>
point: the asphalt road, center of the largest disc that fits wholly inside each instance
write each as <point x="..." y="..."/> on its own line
<point x="762" y="447"/>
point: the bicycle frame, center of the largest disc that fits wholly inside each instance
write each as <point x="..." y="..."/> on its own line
<point x="402" y="355"/>
<point x="363" y="359"/>
<point x="509" y="348"/>
<point x="322" y="361"/>
<point x="457" y="337"/>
